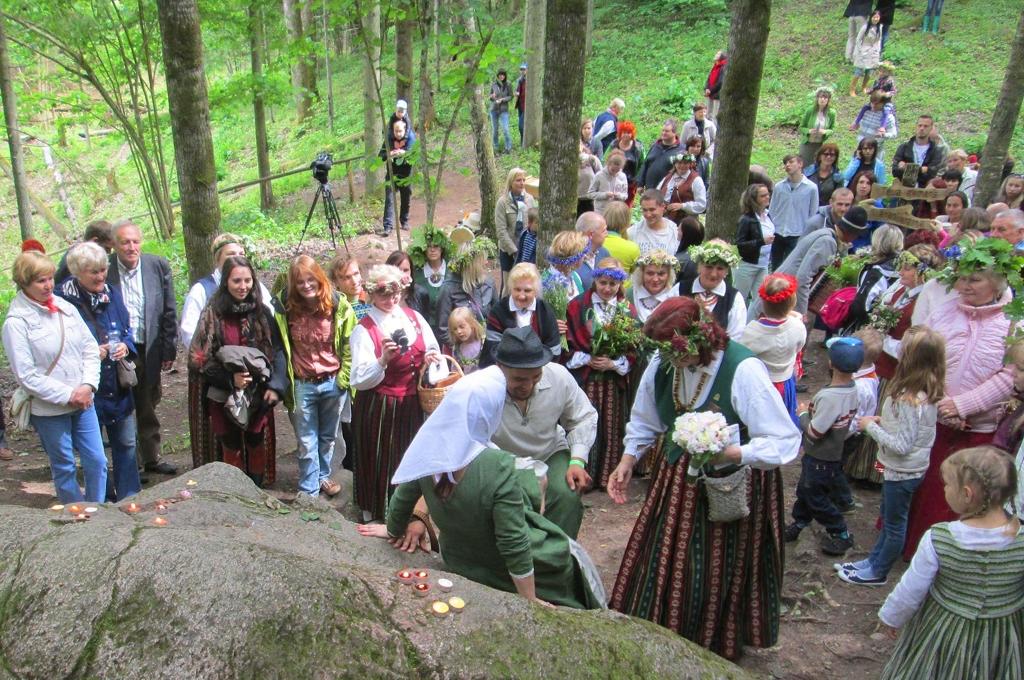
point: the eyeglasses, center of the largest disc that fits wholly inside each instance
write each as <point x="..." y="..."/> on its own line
<point x="829" y="153"/>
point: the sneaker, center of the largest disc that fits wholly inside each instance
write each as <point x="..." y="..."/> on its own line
<point x="849" y="509"/>
<point x="851" y="566"/>
<point x="330" y="487"/>
<point x="792" y="532"/>
<point x="862" y="578"/>
<point x="836" y="545"/>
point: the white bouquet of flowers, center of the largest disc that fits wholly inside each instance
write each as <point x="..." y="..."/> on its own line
<point x="703" y="435"/>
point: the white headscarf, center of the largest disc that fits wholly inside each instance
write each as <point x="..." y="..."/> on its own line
<point x="461" y="427"/>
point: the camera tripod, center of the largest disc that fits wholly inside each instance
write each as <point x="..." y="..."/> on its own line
<point x="323" y="194"/>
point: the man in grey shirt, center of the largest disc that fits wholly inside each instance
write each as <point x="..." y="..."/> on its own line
<point x="548" y="419"/>
<point x="828" y="215"/>
<point x="794" y="201"/>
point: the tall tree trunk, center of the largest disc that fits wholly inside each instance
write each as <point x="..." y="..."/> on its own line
<point x="1004" y="119"/>
<point x="590" y="28"/>
<point x="534" y="118"/>
<point x="565" y="68"/>
<point x="190" y="130"/>
<point x="258" y="109"/>
<point x="293" y="25"/>
<point x="14" y="139"/>
<point x="748" y="37"/>
<point x="309" y="60"/>
<point x="327" y="69"/>
<point x="427" y="22"/>
<point x="487" y="173"/>
<point x="405" y="30"/>
<point x="373" y="127"/>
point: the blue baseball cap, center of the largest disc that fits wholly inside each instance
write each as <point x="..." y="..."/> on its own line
<point x="523" y="65"/>
<point x="845" y="354"/>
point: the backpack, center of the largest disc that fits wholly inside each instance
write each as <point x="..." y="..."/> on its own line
<point x="837" y="307"/>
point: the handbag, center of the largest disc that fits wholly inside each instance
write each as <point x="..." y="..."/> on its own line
<point x="126" y="375"/>
<point x="822" y="288"/>
<point x="21" y="400"/>
<point x="727" y="496"/>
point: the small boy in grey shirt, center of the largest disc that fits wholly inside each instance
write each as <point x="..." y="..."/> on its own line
<point x="825" y="428"/>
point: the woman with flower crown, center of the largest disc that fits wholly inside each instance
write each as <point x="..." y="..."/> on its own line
<point x="469" y="282"/>
<point x="389" y="347"/>
<point x="711" y="288"/>
<point x="599" y="325"/>
<point x="716" y="583"/>
<point x="427" y="251"/>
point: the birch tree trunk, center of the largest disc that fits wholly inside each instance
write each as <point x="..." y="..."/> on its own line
<point x="748" y="37"/>
<point x="534" y="29"/>
<point x="373" y="127"/>
<point x="293" y="25"/>
<point x="565" y="68"/>
<point x="14" y="139"/>
<point x="258" y="109"/>
<point x="1004" y="119"/>
<point x="190" y="130"/>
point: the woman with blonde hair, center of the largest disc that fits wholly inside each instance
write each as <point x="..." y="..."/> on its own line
<point x="56" y="361"/>
<point x="469" y="280"/>
<point x="523" y="306"/>
<point x="617" y="216"/>
<point x="389" y="347"/>
<point x="567" y="251"/>
<point x="510" y="213"/>
<point x="315" y="323"/>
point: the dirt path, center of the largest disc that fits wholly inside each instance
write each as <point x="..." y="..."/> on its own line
<point x="826" y="624"/>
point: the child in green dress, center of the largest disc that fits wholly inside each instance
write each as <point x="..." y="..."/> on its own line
<point x="961" y="602"/>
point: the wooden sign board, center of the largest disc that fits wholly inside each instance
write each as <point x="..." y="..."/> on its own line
<point x="901" y="216"/>
<point x="909" y="193"/>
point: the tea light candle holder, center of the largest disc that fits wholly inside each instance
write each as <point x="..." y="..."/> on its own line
<point x="132" y="508"/>
<point x="57" y="508"/>
<point x="81" y="517"/>
<point x="161" y="507"/>
<point x="91" y="509"/>
<point x="160" y="521"/>
<point x="457" y="604"/>
<point x="74" y="508"/>
<point x="404" y="576"/>
<point x="445" y="585"/>
<point x="421" y="589"/>
<point x="185" y="494"/>
<point x="191" y="483"/>
<point x="440" y="609"/>
<point x="421" y="575"/>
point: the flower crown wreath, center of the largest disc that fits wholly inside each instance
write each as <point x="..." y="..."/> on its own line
<point x="468" y="251"/>
<point x="714" y="252"/>
<point x="782" y="295"/>
<point x="424" y="237"/>
<point x="908" y="259"/>
<point x="386" y="286"/>
<point x="656" y="258"/>
<point x="611" y="273"/>
<point x="690" y="343"/>
<point x="570" y="261"/>
<point x="988" y="254"/>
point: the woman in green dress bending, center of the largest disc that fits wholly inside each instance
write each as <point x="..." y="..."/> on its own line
<point x="491" y="531"/>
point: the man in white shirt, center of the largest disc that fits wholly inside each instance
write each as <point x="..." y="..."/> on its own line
<point x="654" y="231"/>
<point x="548" y="419"/>
<point x="957" y="160"/>
<point x="148" y="292"/>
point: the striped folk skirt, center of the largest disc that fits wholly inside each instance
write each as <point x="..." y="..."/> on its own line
<point x="204" y="444"/>
<point x="384" y="426"/>
<point x="717" y="584"/>
<point x="608" y="394"/>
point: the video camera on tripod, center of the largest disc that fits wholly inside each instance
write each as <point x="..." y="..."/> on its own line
<point x="321" y="167"/>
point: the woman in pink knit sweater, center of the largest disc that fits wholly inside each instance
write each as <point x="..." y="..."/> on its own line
<point x="975" y="329"/>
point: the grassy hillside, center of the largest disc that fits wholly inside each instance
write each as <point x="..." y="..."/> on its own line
<point x="655" y="55"/>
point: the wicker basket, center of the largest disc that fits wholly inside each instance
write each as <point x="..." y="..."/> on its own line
<point x="430" y="397"/>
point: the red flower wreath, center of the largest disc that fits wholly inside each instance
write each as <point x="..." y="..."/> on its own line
<point x="783" y="294"/>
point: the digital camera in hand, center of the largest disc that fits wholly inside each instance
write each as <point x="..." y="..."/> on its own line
<point x="400" y="338"/>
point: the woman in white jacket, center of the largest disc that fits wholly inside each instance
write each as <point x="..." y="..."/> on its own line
<point x="56" y="360"/>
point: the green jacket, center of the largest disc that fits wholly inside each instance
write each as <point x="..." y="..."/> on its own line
<point x="810" y="120"/>
<point x="344" y="324"/>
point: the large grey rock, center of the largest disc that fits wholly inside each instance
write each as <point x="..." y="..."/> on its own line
<point x="231" y="588"/>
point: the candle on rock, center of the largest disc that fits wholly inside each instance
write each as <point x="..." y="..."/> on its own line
<point x="133" y="507"/>
<point x="404" y="576"/>
<point x="160" y="521"/>
<point x="440" y="609"/>
<point x="457" y="604"/>
<point x="421" y="589"/>
<point x="445" y="585"/>
<point x="421" y="575"/>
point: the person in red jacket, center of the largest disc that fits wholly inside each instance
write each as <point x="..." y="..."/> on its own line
<point x="713" y="86"/>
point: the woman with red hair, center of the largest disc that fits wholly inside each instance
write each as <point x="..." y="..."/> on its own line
<point x="716" y="583"/>
<point x="315" y="324"/>
<point x="631" y="147"/>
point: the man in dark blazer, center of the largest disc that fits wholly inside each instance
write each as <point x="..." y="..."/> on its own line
<point x="145" y="284"/>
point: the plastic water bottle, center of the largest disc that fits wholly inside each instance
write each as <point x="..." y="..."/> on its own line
<point x="113" y="340"/>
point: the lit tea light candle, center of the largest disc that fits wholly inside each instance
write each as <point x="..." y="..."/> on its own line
<point x="160" y="521"/>
<point x="57" y="508"/>
<point x="133" y="507"/>
<point x="161" y="507"/>
<point x="191" y="482"/>
<point x="421" y="589"/>
<point x="440" y="609"/>
<point x="74" y="508"/>
<point x="457" y="604"/>
<point x="185" y="494"/>
<point x="445" y="585"/>
<point x="81" y="517"/>
<point x="421" y="575"/>
<point x="404" y="576"/>
<point x="91" y="509"/>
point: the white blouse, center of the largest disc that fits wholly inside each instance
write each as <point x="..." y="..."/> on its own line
<point x="774" y="439"/>
<point x="738" y="313"/>
<point x="367" y="372"/>
<point x="603" y="310"/>
<point x="646" y="303"/>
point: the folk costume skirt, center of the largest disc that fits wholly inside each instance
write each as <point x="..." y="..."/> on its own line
<point x="929" y="505"/>
<point x="717" y="584"/>
<point x="609" y="393"/>
<point x="384" y="427"/>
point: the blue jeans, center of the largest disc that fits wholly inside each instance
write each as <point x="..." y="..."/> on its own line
<point x="61" y="436"/>
<point x="404" y="196"/>
<point x="125" y="480"/>
<point x="315" y="417"/>
<point x="813" y="494"/>
<point x="522" y="116"/>
<point x="502" y="119"/>
<point x="896" y="497"/>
